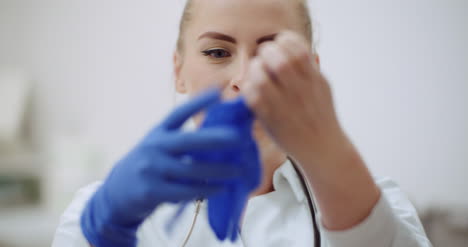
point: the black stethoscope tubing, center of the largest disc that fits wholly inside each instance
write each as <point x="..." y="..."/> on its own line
<point x="310" y="201"/>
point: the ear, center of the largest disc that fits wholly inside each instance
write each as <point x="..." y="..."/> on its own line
<point x="179" y="82"/>
<point x="316" y="58"/>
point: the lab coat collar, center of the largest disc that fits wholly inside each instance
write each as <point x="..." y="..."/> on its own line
<point x="286" y="178"/>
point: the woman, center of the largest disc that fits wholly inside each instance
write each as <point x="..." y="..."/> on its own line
<point x="263" y="51"/>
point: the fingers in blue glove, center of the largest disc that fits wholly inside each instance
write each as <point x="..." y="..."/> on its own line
<point x="203" y="139"/>
<point x="219" y="213"/>
<point x="196" y="170"/>
<point x="239" y="203"/>
<point x="184" y="112"/>
<point x="225" y="211"/>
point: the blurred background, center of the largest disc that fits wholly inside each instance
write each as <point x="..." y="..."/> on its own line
<point x="81" y="81"/>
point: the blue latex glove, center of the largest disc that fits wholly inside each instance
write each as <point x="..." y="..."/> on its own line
<point x="225" y="209"/>
<point x="155" y="171"/>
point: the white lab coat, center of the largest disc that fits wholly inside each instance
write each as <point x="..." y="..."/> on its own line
<point x="277" y="219"/>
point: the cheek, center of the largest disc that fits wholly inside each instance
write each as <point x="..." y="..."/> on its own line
<point x="200" y="75"/>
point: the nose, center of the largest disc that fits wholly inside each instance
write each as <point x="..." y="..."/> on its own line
<point x="238" y="78"/>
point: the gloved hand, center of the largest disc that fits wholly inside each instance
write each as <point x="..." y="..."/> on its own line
<point x="225" y="209"/>
<point x="155" y="171"/>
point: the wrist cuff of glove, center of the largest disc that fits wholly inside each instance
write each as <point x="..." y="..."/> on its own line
<point x="98" y="228"/>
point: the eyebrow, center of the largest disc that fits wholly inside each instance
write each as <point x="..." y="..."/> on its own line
<point x="224" y="37"/>
<point x="216" y="35"/>
<point x="270" y="37"/>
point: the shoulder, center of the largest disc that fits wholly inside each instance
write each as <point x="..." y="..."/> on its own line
<point x="393" y="192"/>
<point x="68" y="232"/>
<point x="81" y="198"/>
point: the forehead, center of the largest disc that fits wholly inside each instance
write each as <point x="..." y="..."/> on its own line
<point x="244" y="18"/>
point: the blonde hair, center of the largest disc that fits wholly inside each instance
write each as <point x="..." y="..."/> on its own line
<point x="303" y="9"/>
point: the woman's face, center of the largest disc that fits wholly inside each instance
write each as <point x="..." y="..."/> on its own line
<point x="221" y="38"/>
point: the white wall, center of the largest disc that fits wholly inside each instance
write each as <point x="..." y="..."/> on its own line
<point x="399" y="69"/>
<point x="400" y="73"/>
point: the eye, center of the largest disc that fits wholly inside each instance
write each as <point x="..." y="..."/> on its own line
<point x="216" y="53"/>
